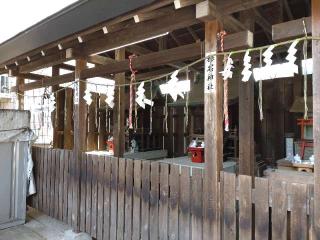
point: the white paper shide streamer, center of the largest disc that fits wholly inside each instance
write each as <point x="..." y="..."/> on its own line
<point x="88" y="96"/>
<point x="174" y="87"/>
<point x="110" y="96"/>
<point x="246" y="72"/>
<point x="141" y="99"/>
<point x="281" y="70"/>
<point x="52" y="102"/>
<point x="227" y="72"/>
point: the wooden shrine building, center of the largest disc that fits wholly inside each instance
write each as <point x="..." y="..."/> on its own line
<point x="154" y="191"/>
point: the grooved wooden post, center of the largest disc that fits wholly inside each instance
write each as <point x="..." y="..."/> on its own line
<point x="20" y="81"/>
<point x="79" y="139"/>
<point x="316" y="112"/>
<point x="119" y="110"/>
<point x="213" y="134"/>
<point x="57" y="117"/>
<point x="246" y="113"/>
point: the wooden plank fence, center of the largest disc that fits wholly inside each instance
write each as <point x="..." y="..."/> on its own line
<point x="136" y="199"/>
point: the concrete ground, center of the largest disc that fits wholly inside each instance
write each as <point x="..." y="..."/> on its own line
<point x="40" y="227"/>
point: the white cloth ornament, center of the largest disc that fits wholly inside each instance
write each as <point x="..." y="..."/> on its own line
<point x="268" y="56"/>
<point x="52" y="102"/>
<point x="141" y="99"/>
<point x="110" y="96"/>
<point x="246" y="73"/>
<point x="227" y="72"/>
<point x="174" y="87"/>
<point x="88" y="97"/>
<point x="292" y="58"/>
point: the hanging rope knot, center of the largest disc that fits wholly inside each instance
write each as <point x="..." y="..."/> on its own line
<point x="132" y="88"/>
<point x="131" y="57"/>
<point x="221" y="36"/>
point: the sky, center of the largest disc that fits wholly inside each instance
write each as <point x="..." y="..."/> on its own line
<point x="18" y="15"/>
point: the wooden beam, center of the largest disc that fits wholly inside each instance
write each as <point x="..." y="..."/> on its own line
<point x="44" y="62"/>
<point x="144" y="16"/>
<point x="291" y="29"/>
<point x="49" y="82"/>
<point x="66" y="67"/>
<point x="151" y="74"/>
<point x="20" y="92"/>
<point x="147" y="61"/>
<point x="315" y="6"/>
<point x="29" y="76"/>
<point x="144" y="30"/>
<point x="79" y="139"/>
<point x="262" y="21"/>
<point x="101" y="60"/>
<point x="184" y="3"/>
<point x="288" y="9"/>
<point x="119" y="110"/>
<point x="246" y="113"/>
<point x="213" y="134"/>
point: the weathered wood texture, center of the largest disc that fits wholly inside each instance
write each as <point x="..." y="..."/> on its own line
<point x="213" y="137"/>
<point x="134" y="199"/>
<point x="315" y="14"/>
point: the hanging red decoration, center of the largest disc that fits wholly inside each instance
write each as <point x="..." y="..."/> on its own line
<point x="132" y="89"/>
<point x="221" y="36"/>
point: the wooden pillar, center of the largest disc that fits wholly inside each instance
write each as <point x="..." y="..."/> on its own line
<point x="213" y="134"/>
<point x="316" y="112"/>
<point x="119" y="110"/>
<point x="102" y="125"/>
<point x="246" y="113"/>
<point x="20" y="93"/>
<point x="79" y="138"/>
<point x="92" y="143"/>
<point x="58" y="116"/>
<point x="68" y="112"/>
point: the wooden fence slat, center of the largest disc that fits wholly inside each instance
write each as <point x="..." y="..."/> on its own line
<point x="185" y="192"/>
<point x="106" y="203"/>
<point x="196" y="204"/>
<point x="89" y="192"/>
<point x="245" y="207"/>
<point x="121" y="189"/>
<point x="298" y="221"/>
<point x="94" y="203"/>
<point x="114" y="198"/>
<point x="229" y="206"/>
<point x="56" y="183"/>
<point x="46" y="178"/>
<point x="145" y="204"/>
<point x="66" y="187"/>
<point x="60" y="199"/>
<point x="279" y="210"/>
<point x="51" y="182"/>
<point x="164" y="202"/>
<point x="70" y="188"/>
<point x="83" y="182"/>
<point x="174" y="202"/>
<point x="128" y="200"/>
<point x="136" y="217"/>
<point x="261" y="208"/>
<point x="39" y="186"/>
<point x="100" y="198"/>
<point x="154" y="201"/>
